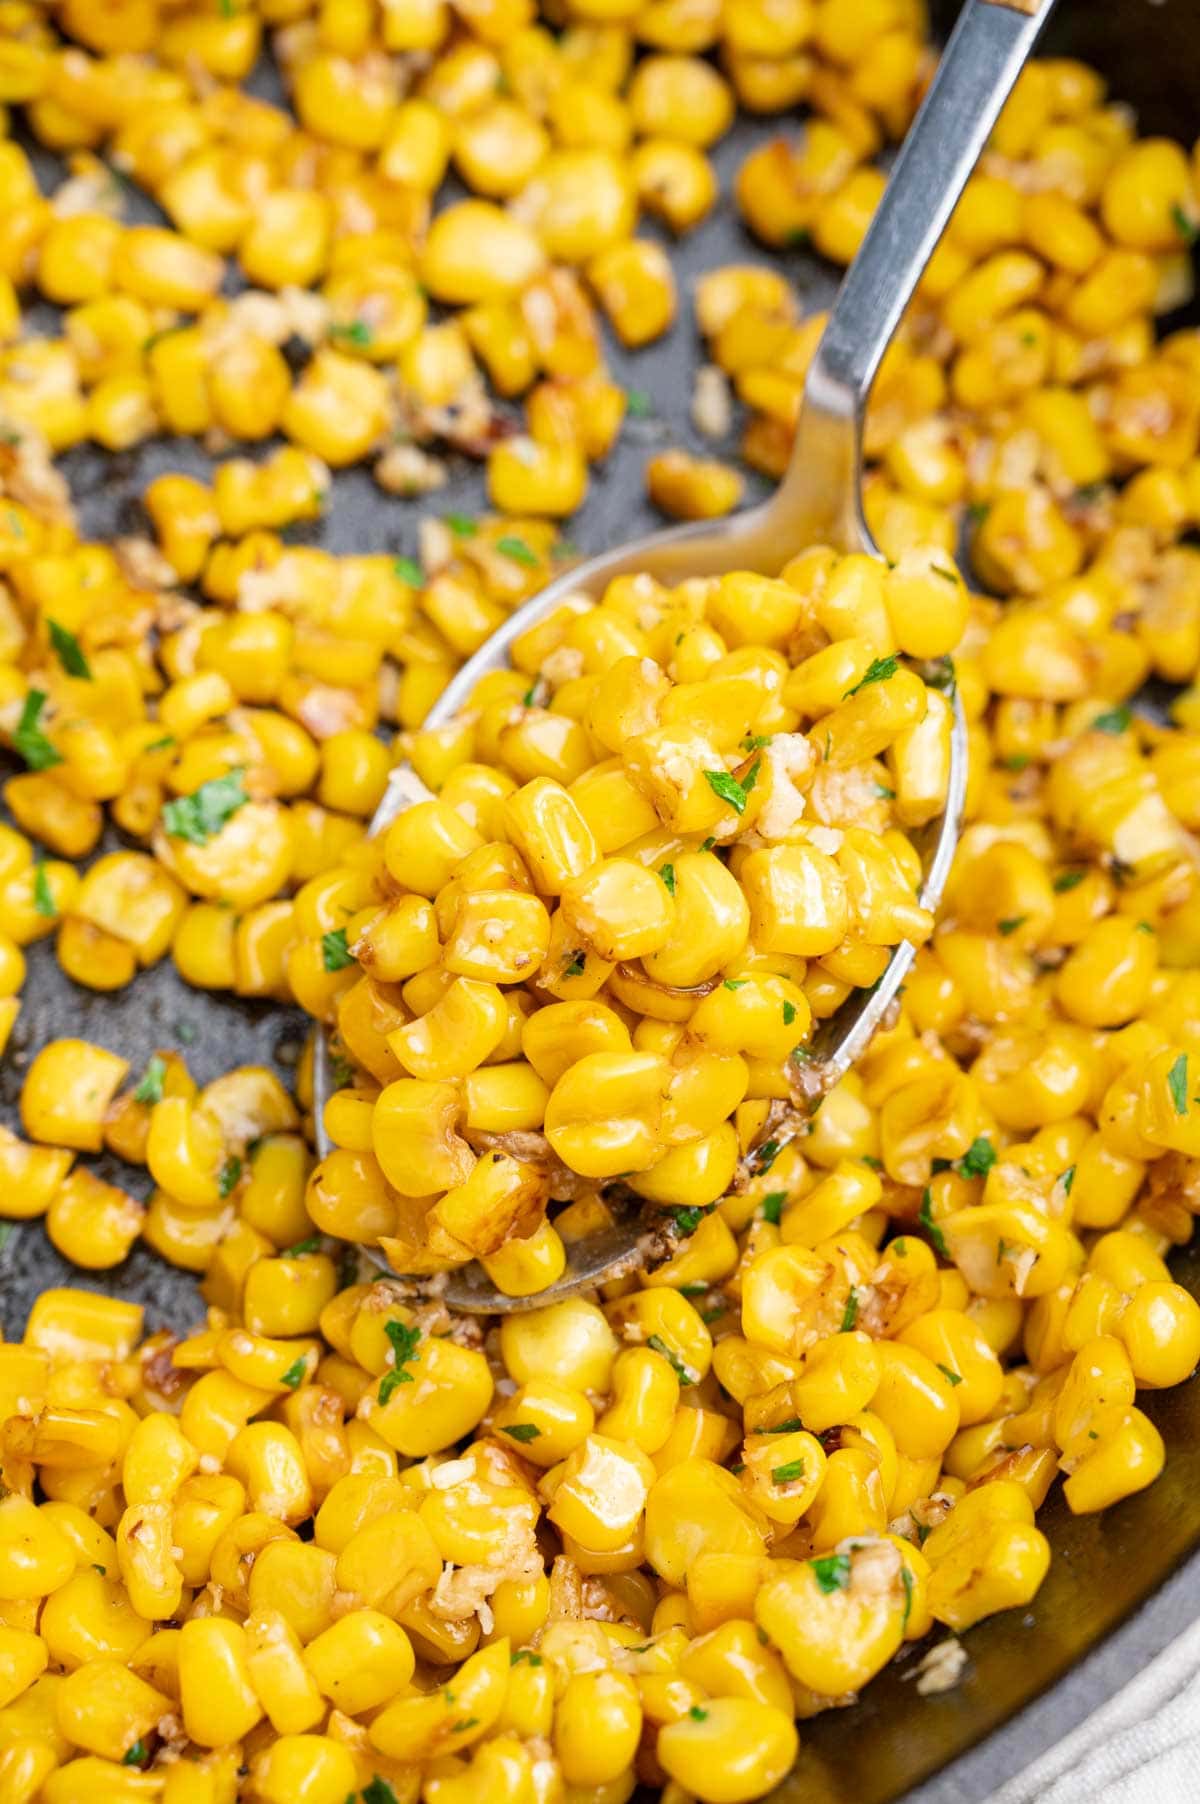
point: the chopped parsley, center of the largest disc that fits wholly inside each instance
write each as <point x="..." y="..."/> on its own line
<point x="29" y="740"/>
<point x="151" y="1087"/>
<point x="102" y="1570"/>
<point x="789" y="1013"/>
<point x="135" y="1755"/>
<point x="1187" y="228"/>
<point x="736" y="983"/>
<point x="1066" y="1179"/>
<point x="667" y="873"/>
<point x="764" y="1156"/>
<point x="404" y="1347"/>
<point x="1143" y="927"/>
<point x="978" y="1159"/>
<point x="878" y="671"/>
<point x="786" y="1474"/>
<point x="948" y="1373"/>
<point x="754" y="742"/>
<point x="687" y="1221"/>
<point x="724" y="784"/>
<point x="947" y="576"/>
<point x="461" y="525"/>
<point x="229" y="1174"/>
<point x="575" y="968"/>
<point x="468" y="1722"/>
<point x="1011" y="925"/>
<point x="353" y="332"/>
<point x="1115" y="720"/>
<point x="196" y="818"/>
<point x="658" y="1345"/>
<point x="832" y="1572"/>
<point x="1068" y="880"/>
<point x="697" y="1714"/>
<point x="522" y="1431"/>
<point x="1177" y="1084"/>
<point x="311" y="1245"/>
<point x="295" y="1374"/>
<point x="378" y="1792"/>
<point x="639" y="404"/>
<point x="409" y="571"/>
<point x="884" y="793"/>
<point x="518" y="551"/>
<point x="562" y="549"/>
<point x="906" y="1579"/>
<point x="66" y="647"/>
<point x="788" y="1427"/>
<point x="525" y="1654"/>
<point x="772" y="1206"/>
<point x="926" y="1220"/>
<point x="43" y="901"/>
<point x="850" y="1312"/>
<point x="335" y="952"/>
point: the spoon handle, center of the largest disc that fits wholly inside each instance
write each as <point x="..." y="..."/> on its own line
<point x="819" y="497"/>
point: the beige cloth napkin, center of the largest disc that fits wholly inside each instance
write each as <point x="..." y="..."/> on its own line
<point x="1142" y="1747"/>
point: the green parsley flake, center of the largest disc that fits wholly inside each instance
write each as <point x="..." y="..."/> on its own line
<point x="878" y="671"/>
<point x="66" y="647"/>
<point x="1011" y="925"/>
<point x="353" y="332"/>
<point x="311" y="1245"/>
<point x="736" y="983"/>
<point x="658" y="1345"/>
<point x="667" y="873"/>
<point x="525" y="1654"/>
<point x="772" y="1206"/>
<point x="29" y="740"/>
<point x="686" y="1221"/>
<point x="409" y="571"/>
<point x="151" y="1087"/>
<point x="947" y="576"/>
<point x="378" y="1792"/>
<point x="335" y="952"/>
<point x="850" y="1313"/>
<point x="789" y="1427"/>
<point x="461" y="525"/>
<point x="754" y="742"/>
<point x="785" y="1475"/>
<point x="639" y="404"/>
<point x="951" y="1376"/>
<point x="789" y="1013"/>
<point x="1066" y="1179"/>
<point x="198" y="817"/>
<point x="978" y="1159"/>
<point x="1068" y="880"/>
<point x="906" y="1579"/>
<point x="832" y="1572"/>
<point x="575" y="968"/>
<point x="1177" y="1084"/>
<point x="1187" y="228"/>
<point x="697" y="1714"/>
<point x="723" y="784"/>
<point x="522" y="1431"/>
<point x="135" y="1755"/>
<point x="295" y="1373"/>
<point x="884" y="793"/>
<point x="518" y="551"/>
<point x="765" y="1155"/>
<point x="43" y="900"/>
<point x="1115" y="720"/>
<point x="229" y="1174"/>
<point x="404" y="1346"/>
<point x="937" y="1238"/>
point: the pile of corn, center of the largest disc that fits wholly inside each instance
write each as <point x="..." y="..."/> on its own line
<point x="335" y="1542"/>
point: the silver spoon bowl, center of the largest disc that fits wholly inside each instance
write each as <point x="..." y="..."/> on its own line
<point x="819" y="501"/>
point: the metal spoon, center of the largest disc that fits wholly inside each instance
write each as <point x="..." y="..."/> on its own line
<point x="819" y="501"/>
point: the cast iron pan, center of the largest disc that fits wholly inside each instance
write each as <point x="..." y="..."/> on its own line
<point x="1122" y="1584"/>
